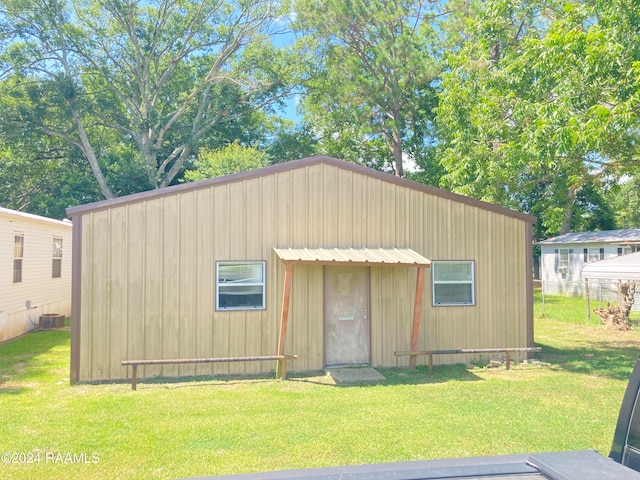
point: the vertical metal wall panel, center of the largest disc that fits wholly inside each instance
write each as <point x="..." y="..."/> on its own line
<point x="316" y="206"/>
<point x="136" y="306"/>
<point x="118" y="291"/>
<point x="485" y="270"/>
<point x="99" y="344"/>
<point x="344" y="209"/>
<point x="329" y="181"/>
<point x="171" y="245"/>
<point x="221" y="251"/>
<point x="85" y="370"/>
<point x="204" y="288"/>
<point x="187" y="262"/>
<point x="153" y="299"/>
<point x="237" y="251"/>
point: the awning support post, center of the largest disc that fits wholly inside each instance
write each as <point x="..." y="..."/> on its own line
<point x="417" y="313"/>
<point x="281" y="365"/>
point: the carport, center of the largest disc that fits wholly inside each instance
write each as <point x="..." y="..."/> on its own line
<point x="623" y="267"/>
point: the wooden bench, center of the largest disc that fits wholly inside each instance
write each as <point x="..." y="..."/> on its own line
<point x="172" y="361"/>
<point x="506" y="351"/>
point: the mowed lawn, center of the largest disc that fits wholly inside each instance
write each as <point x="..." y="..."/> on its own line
<point x="50" y="429"/>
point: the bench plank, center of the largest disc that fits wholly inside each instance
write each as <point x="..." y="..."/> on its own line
<point x="455" y="351"/>
<point x="172" y="361"/>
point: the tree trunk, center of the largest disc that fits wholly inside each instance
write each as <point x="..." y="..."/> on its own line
<point x="617" y="316"/>
<point x="568" y="213"/>
<point x="626" y="297"/>
<point x="397" y="154"/>
<point x="89" y="153"/>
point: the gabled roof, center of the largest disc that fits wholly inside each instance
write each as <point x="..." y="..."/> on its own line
<point x="622" y="267"/>
<point x="606" y="236"/>
<point x="295" y="164"/>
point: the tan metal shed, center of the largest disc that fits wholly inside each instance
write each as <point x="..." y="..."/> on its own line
<point x="200" y="270"/>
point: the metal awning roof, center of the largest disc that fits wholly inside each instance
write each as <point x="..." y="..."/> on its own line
<point x="353" y="256"/>
<point x="623" y="267"/>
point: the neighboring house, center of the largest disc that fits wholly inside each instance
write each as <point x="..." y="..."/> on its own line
<point x="204" y="269"/>
<point x="563" y="257"/>
<point x="35" y="270"/>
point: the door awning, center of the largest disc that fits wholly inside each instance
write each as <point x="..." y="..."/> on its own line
<point x="393" y="257"/>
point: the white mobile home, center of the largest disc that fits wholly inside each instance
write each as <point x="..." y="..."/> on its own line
<point x="563" y="258"/>
<point x="35" y="270"/>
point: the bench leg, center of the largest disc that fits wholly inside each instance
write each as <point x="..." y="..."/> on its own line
<point x="281" y="369"/>
<point x="134" y="376"/>
<point x="508" y="362"/>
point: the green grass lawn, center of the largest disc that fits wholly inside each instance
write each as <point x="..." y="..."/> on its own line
<point x="169" y="430"/>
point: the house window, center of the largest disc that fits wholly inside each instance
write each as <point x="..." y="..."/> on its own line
<point x="594" y="254"/>
<point x="564" y="261"/>
<point x="240" y="285"/>
<point x="56" y="266"/>
<point x="453" y="283"/>
<point x="18" y="254"/>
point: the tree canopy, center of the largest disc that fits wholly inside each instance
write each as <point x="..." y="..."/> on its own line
<point x="538" y="106"/>
<point x="530" y="104"/>
<point x="145" y="81"/>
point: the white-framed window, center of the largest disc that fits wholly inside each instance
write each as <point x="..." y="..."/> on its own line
<point x="453" y="282"/>
<point x="240" y="285"/>
<point x="564" y="264"/>
<point x="594" y="254"/>
<point x="18" y="255"/>
<point x="56" y="263"/>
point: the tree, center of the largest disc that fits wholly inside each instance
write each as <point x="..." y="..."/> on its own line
<point x="40" y="174"/>
<point x="158" y="75"/>
<point x="290" y="142"/>
<point x="539" y="99"/>
<point x="626" y="202"/>
<point x="374" y="64"/>
<point x="233" y="158"/>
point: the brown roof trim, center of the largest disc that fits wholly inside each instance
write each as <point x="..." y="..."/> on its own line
<point x="295" y="164"/>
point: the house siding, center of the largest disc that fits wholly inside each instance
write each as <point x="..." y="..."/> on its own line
<point x="148" y="271"/>
<point x="45" y="294"/>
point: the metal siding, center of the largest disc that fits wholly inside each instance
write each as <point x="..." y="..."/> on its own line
<point x="153" y="280"/>
<point x="329" y="197"/>
<point x="136" y="305"/>
<point x="98" y="344"/>
<point x="253" y="251"/>
<point x="171" y="248"/>
<point x="118" y="292"/>
<point x="174" y="241"/>
<point x="204" y="290"/>
<point x="344" y="206"/>
<point x="187" y="291"/>
<point x="84" y="351"/>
